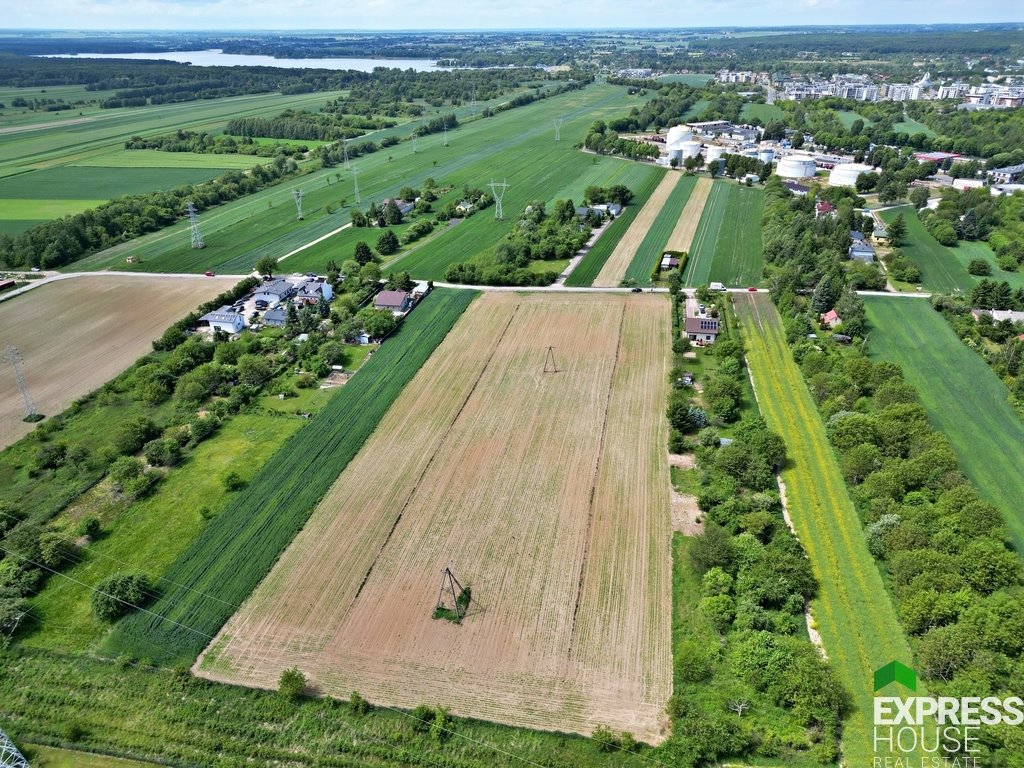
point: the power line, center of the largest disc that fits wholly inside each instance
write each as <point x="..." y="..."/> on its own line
<point x="193" y="218"/>
<point x="498" y="192"/>
<point x="14" y="358"/>
<point x="297" y="196"/>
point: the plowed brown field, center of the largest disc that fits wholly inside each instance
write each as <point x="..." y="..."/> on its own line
<point x="615" y="268"/>
<point x="76" y="334"/>
<point x="548" y="493"/>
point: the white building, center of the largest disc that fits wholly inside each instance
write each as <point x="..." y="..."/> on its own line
<point x="224" y="319"/>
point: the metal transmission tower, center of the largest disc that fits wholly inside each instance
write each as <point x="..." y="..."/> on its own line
<point x="297" y="195"/>
<point x="193" y="217"/>
<point x="14" y="358"/>
<point x="10" y="757"/>
<point x="446" y="135"/>
<point x="460" y="597"/>
<point x="355" y="180"/>
<point x="472" y="101"/>
<point x="550" y="366"/>
<point x="415" y="139"/>
<point x="558" y="128"/>
<point x="348" y="165"/>
<point x="498" y="191"/>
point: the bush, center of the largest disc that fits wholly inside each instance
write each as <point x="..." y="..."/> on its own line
<point x="292" y="684"/>
<point x="119" y="595"/>
<point x="164" y="452"/>
<point x="134" y="434"/>
<point x="88" y="526"/>
<point x="123" y="471"/>
<point x="233" y="482"/>
<point x="358" y="704"/>
<point x="979" y="267"/>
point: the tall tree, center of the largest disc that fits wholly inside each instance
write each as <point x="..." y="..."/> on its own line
<point x="266" y="266"/>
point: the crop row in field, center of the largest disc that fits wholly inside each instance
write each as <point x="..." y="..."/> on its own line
<point x="727" y="244"/>
<point x="854" y="614"/>
<point x="591" y="264"/>
<point x="648" y="254"/>
<point x="155" y="158"/>
<point x="90" y="184"/>
<point x="237" y="549"/>
<point x="965" y="400"/>
<point x="763" y="112"/>
<point x="507" y="145"/>
<point x="538" y="489"/>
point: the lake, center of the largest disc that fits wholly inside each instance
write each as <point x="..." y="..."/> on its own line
<point x="217" y="58"/>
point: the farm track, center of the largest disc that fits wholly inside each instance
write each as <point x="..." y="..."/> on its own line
<point x="614" y="269"/>
<point x="854" y="614"/>
<point x="502" y="474"/>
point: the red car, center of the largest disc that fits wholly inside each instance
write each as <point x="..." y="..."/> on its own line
<point x="208" y="273"/>
<point x="752" y="289"/>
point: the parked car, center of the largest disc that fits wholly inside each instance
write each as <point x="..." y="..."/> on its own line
<point x="638" y="290"/>
<point x="208" y="273"/>
<point x="752" y="289"/>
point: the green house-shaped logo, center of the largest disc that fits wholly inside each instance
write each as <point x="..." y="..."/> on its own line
<point x="895" y="672"/>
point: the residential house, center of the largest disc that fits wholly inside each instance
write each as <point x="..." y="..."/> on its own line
<point x="880" y="236"/>
<point x="394" y="301"/>
<point x="702" y="329"/>
<point x="824" y="208"/>
<point x="224" y="319"/>
<point x="831" y="319"/>
<point x="860" y="250"/>
<point x="465" y="208"/>
<point x="797" y="189"/>
<point x="609" y="209"/>
<point x="669" y="262"/>
<point x="999" y="315"/>
<point x="276" y="317"/>
<point x="314" y="292"/>
<point x="404" y="206"/>
<point x="274" y="291"/>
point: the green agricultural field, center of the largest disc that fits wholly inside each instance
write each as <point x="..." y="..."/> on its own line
<point x="212" y="577"/>
<point x="92" y="184"/>
<point x="965" y="400"/>
<point x="940" y="269"/>
<point x="696" y="79"/>
<point x="63" y="611"/>
<point x="591" y="264"/>
<point x="849" y="118"/>
<point x="16" y="226"/>
<point x="52" y="757"/>
<point x="648" y="255"/>
<point x="910" y="126"/>
<point x="517" y="146"/>
<point x="727" y="244"/>
<point x="154" y="158"/>
<point x="763" y="112"/>
<point x="853" y="612"/>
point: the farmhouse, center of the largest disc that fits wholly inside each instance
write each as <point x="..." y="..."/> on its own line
<point x="395" y="301"/>
<point x="823" y="209"/>
<point x="831" y="319"/>
<point x="465" y="208"/>
<point x="404" y="206"/>
<point x="999" y="315"/>
<point x="224" y="319"/>
<point x="860" y="250"/>
<point x="702" y="329"/>
<point x="609" y="209"/>
<point x="274" y="292"/>
<point x="880" y="236"/>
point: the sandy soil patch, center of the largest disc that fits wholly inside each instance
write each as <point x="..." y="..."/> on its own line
<point x="615" y="268"/>
<point x="548" y="493"/>
<point x="76" y="334"/>
<point x="682" y="235"/>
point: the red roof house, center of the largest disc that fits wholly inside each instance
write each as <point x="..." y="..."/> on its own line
<point x="831" y="319"/>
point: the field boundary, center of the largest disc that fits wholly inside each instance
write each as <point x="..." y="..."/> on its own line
<point x="682" y="235"/>
<point x="618" y="262"/>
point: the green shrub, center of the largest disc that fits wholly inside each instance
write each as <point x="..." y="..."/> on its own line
<point x="233" y="482"/>
<point x="358" y="704"/>
<point x="119" y="595"/>
<point x="292" y="684"/>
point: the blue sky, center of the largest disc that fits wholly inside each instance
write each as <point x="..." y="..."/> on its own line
<point x="492" y="14"/>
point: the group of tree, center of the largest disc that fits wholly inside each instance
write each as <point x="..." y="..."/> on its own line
<point x="604" y="141"/>
<point x="220" y="144"/>
<point x="536" y="236"/>
<point x="301" y="125"/>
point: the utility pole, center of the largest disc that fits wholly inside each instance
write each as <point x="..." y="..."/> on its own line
<point x="558" y="128"/>
<point x="10" y="757"/>
<point x="14" y="358"/>
<point x="297" y="195"/>
<point x="355" y="179"/>
<point x="348" y="165"/>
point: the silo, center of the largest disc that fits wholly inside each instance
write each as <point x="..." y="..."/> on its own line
<point x="714" y="151"/>
<point x="845" y="174"/>
<point x="678" y="134"/>
<point x="796" y="167"/>
<point x="690" y="148"/>
<point x="766" y="156"/>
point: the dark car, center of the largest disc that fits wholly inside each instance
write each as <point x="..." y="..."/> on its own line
<point x="638" y="290"/>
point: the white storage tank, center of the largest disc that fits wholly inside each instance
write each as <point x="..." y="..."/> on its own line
<point x="714" y="151"/>
<point x="796" y="167"/>
<point x="766" y="156"/>
<point x="678" y="134"/>
<point x="845" y="174"/>
<point x="690" y="148"/>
